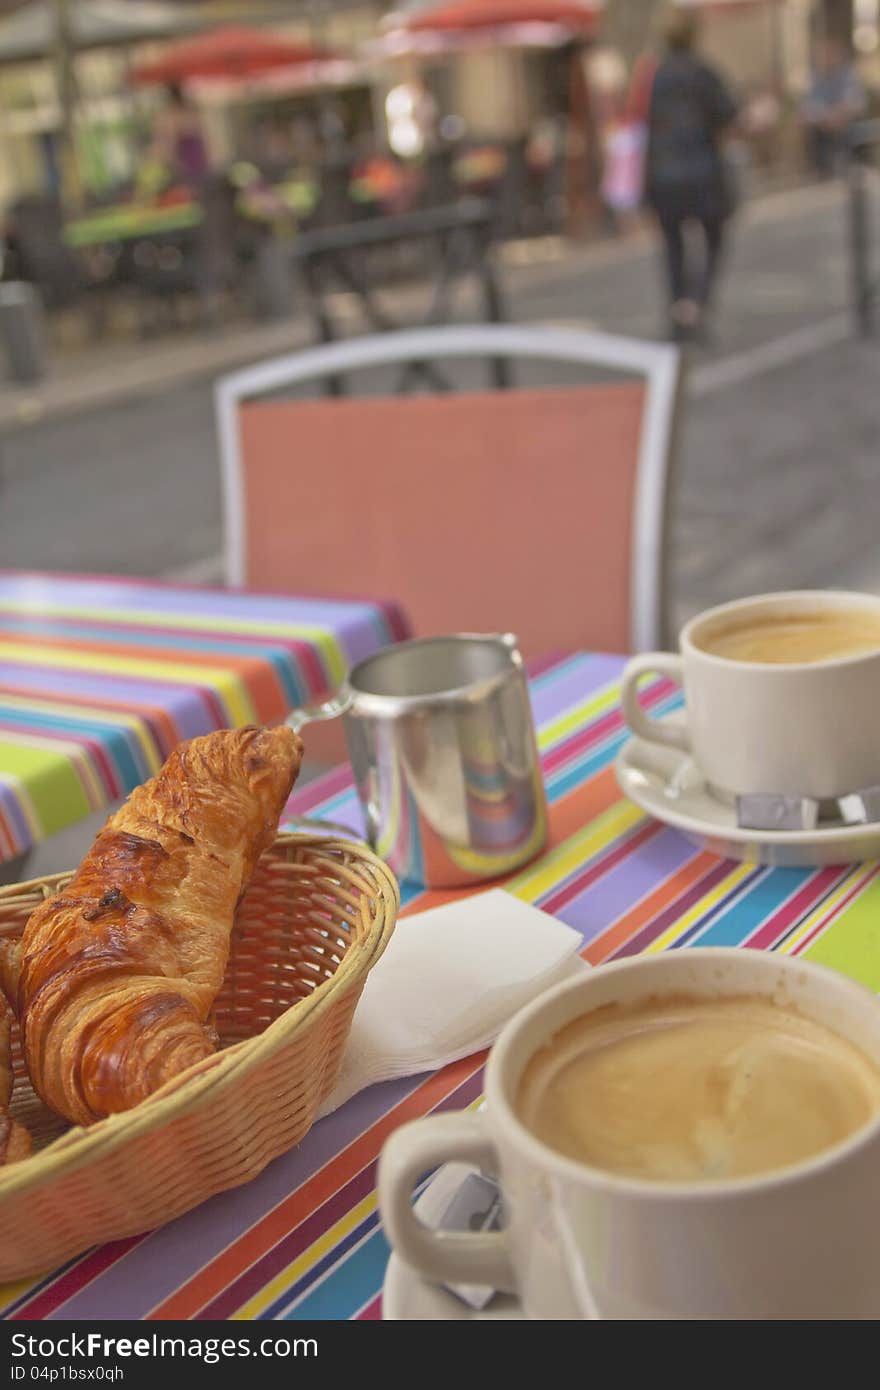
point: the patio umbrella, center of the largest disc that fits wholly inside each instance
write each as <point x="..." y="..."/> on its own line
<point x="233" y="51"/>
<point x="722" y="5"/>
<point x="579" y="16"/>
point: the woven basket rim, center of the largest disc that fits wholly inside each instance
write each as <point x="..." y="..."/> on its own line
<point x="195" y="1086"/>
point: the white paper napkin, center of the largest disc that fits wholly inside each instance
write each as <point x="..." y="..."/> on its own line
<point x="449" y="980"/>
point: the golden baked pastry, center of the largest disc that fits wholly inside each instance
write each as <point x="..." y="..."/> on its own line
<point x="114" y="978"/>
<point x="15" y="1142"/>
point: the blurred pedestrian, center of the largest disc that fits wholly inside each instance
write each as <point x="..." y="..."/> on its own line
<point x="687" y="182"/>
<point x="179" y="141"/>
<point x="623" y="153"/>
<point x="625" y="146"/>
<point x="836" y="98"/>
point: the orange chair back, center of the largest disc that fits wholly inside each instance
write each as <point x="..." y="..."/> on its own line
<point x="484" y="512"/>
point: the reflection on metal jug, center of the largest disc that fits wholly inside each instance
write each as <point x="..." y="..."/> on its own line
<point x="443" y="748"/>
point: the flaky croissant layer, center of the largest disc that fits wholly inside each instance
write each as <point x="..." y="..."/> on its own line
<point x="114" y="977"/>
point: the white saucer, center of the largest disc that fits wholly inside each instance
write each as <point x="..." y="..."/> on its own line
<point x="666" y="783"/>
<point x="408" y="1297"/>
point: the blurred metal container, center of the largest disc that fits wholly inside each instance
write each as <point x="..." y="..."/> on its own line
<point x="443" y="748"/>
<point x="21" y="331"/>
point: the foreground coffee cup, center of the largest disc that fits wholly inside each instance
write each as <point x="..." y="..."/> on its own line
<point x="580" y="1242"/>
<point x="805" y="727"/>
<point x="442" y="745"/>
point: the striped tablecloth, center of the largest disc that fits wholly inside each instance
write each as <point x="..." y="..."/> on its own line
<point x="304" y="1240"/>
<point x="100" y="678"/>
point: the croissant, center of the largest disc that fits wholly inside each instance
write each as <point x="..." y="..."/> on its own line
<point x="15" y="1142"/>
<point x="114" y="978"/>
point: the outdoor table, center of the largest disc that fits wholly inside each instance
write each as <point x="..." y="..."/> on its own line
<point x="147" y="245"/>
<point x="101" y="677"/>
<point x="303" y="1241"/>
<point x="132" y="221"/>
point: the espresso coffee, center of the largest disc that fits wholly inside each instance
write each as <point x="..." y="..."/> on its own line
<point x="686" y="1089"/>
<point x="795" y="637"/>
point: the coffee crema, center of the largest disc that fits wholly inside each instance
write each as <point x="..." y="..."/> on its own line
<point x="787" y="638"/>
<point x="684" y="1089"/>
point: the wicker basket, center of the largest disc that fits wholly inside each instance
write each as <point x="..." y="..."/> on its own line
<point x="316" y="916"/>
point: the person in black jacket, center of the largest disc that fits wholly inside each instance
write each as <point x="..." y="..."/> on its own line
<point x="686" y="177"/>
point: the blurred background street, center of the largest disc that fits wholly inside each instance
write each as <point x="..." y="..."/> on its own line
<point x="778" y="483"/>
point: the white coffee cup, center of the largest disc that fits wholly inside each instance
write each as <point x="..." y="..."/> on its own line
<point x="809" y="729"/>
<point x="798" y="1242"/>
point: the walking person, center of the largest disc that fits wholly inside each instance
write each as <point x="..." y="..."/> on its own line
<point x="687" y="182"/>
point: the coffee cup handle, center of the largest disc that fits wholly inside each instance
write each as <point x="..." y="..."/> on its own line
<point x="446" y="1257"/>
<point x="650" y="664"/>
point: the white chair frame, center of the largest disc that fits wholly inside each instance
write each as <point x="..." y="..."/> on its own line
<point x="659" y="364"/>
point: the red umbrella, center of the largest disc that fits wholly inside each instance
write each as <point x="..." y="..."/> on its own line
<point x="233" y="51"/>
<point x="579" y="15"/>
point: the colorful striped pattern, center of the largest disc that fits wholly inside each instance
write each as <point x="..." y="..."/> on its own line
<point x="304" y="1240"/>
<point x="100" y="678"/>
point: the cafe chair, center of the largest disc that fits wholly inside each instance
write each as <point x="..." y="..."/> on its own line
<point x="64" y="279"/>
<point x="538" y="510"/>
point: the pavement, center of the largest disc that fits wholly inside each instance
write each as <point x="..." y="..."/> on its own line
<point x="112" y="464"/>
